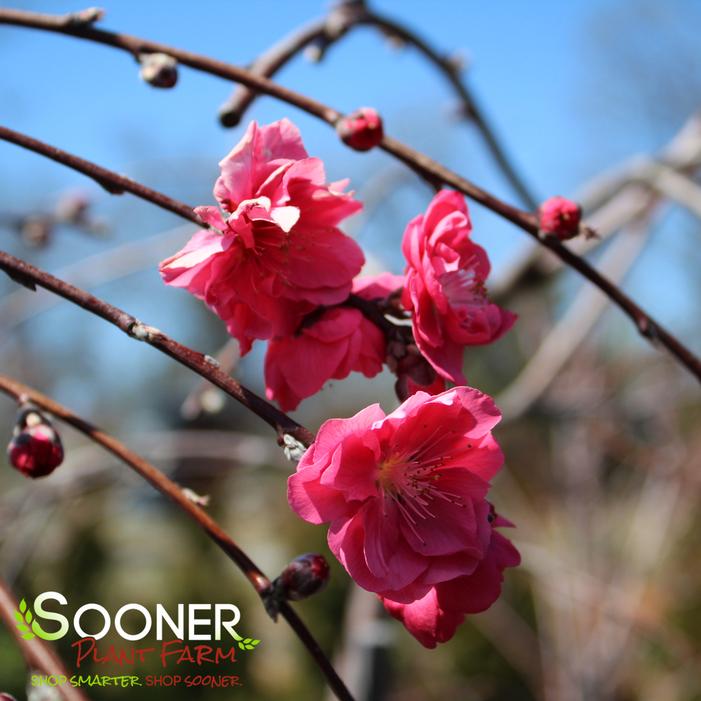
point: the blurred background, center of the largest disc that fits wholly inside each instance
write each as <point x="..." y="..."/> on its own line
<point x="596" y="100"/>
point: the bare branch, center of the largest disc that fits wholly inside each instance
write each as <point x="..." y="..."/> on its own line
<point x="198" y="362"/>
<point x="179" y="497"/>
<point x="431" y="170"/>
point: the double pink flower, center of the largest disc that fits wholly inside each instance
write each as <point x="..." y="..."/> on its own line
<point x="277" y="252"/>
<point x="405" y="497"/>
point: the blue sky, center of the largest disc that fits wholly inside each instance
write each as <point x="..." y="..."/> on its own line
<point x="530" y="64"/>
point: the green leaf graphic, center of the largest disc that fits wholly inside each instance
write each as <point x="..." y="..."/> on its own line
<point x="24" y="618"/>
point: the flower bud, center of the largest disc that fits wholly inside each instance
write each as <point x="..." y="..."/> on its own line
<point x="7" y="697"/>
<point x="560" y="217"/>
<point x="361" y="130"/>
<point x="35" y="449"/>
<point x="304" y="576"/>
<point x="159" y="70"/>
<point x="73" y="208"/>
<point x="36" y="230"/>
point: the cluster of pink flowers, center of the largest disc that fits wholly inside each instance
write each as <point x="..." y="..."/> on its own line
<point x="405" y="494"/>
<point x="275" y="266"/>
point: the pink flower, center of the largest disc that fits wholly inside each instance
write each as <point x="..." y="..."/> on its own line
<point x="560" y="217"/>
<point x="362" y="129"/>
<point x="444" y="288"/>
<point x="278" y="254"/>
<point x="331" y="346"/>
<point x="405" y="498"/>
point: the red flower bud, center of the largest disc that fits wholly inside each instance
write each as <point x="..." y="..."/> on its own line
<point x="560" y="217"/>
<point x="7" y="697"/>
<point x="304" y="576"/>
<point x="35" y="449"/>
<point x="361" y="130"/>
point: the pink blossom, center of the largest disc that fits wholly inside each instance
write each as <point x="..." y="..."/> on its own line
<point x="405" y="496"/>
<point x="277" y="252"/>
<point x="560" y="217"/>
<point x="445" y="289"/>
<point x="337" y="342"/>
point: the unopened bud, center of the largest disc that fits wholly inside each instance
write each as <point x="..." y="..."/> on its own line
<point x="159" y="70"/>
<point x="304" y="576"/>
<point x="35" y="449"/>
<point x="36" y="230"/>
<point x="7" y="697"/>
<point x="559" y="217"/>
<point x="361" y="130"/>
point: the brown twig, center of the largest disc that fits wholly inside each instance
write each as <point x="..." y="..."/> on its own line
<point x="37" y="653"/>
<point x="114" y="183"/>
<point x="202" y="364"/>
<point x="328" y="30"/>
<point x="170" y="489"/>
<point x="429" y="169"/>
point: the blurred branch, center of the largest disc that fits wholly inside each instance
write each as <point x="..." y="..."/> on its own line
<point x="112" y="182"/>
<point x="325" y="32"/>
<point x="426" y="167"/>
<point x="113" y="264"/>
<point x="571" y="331"/>
<point x="36" y="652"/>
<point x="176" y="494"/>
<point x="196" y="402"/>
<point x="198" y="362"/>
<point x="617" y="197"/>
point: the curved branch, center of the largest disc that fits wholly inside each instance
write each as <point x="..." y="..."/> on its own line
<point x="198" y="362"/>
<point x="431" y="170"/>
<point x="168" y="488"/>
<point x="342" y="19"/>
<point x="114" y="183"/>
<point x="267" y="65"/>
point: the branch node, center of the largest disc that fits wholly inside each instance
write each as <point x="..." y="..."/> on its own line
<point x="84" y="18"/>
<point x="195" y="498"/>
<point x="212" y="361"/>
<point x="21" y="279"/>
<point x="142" y="332"/>
<point x="292" y="448"/>
<point x="648" y="329"/>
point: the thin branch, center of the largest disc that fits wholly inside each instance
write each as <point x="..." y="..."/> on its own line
<point x="114" y="183"/>
<point x="168" y="488"/>
<point x="328" y="30"/>
<point x="36" y="652"/>
<point x="267" y="65"/>
<point x="571" y="331"/>
<point x="468" y="101"/>
<point x="431" y="170"/>
<point x="200" y="363"/>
